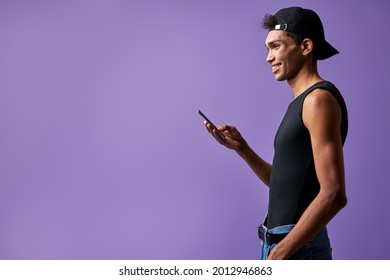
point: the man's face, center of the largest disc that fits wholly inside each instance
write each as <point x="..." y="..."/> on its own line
<point x="284" y="55"/>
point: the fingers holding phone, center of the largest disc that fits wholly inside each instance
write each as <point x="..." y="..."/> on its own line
<point x="226" y="135"/>
<point x="216" y="131"/>
<point x="210" y="126"/>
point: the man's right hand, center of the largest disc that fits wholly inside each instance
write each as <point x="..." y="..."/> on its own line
<point x="233" y="139"/>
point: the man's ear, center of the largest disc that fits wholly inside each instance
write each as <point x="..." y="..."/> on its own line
<point x="307" y="46"/>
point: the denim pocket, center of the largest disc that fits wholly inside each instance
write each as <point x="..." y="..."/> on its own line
<point x="314" y="250"/>
<point x="325" y="255"/>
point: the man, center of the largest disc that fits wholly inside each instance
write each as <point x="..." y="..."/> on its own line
<point x="306" y="178"/>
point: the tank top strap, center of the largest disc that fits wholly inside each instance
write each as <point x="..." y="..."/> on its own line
<point x="323" y="85"/>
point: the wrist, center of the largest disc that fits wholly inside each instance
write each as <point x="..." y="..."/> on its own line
<point x="242" y="148"/>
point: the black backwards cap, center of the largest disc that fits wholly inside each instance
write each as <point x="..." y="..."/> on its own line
<point x="308" y="24"/>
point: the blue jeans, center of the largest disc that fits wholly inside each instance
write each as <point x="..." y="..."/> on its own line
<point x="317" y="249"/>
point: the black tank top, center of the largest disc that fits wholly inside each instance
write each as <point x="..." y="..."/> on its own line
<point x="294" y="183"/>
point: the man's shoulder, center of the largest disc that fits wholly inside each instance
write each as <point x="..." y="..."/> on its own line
<point x="320" y="98"/>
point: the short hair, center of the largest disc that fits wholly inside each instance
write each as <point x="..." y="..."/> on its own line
<point x="269" y="23"/>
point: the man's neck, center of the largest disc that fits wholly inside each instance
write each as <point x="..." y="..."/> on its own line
<point x="307" y="77"/>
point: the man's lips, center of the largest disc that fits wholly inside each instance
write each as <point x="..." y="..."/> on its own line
<point x="275" y="67"/>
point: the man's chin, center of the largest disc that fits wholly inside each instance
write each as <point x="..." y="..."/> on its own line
<point x="280" y="79"/>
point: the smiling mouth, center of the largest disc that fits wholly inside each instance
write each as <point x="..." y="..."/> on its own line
<point x="275" y="67"/>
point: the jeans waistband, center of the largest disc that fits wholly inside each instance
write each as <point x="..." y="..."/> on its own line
<point x="276" y="234"/>
<point x="273" y="235"/>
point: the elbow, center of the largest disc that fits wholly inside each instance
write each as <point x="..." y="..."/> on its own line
<point x="336" y="200"/>
<point x="339" y="200"/>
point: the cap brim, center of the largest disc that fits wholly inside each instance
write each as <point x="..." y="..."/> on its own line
<point x="325" y="50"/>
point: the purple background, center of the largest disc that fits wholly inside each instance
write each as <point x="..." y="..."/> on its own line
<point x="102" y="154"/>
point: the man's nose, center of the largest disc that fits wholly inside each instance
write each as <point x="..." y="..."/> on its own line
<point x="270" y="56"/>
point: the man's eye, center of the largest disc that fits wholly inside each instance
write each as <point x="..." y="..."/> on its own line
<point x="276" y="47"/>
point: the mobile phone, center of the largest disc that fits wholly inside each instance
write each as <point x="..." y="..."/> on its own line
<point x="212" y="125"/>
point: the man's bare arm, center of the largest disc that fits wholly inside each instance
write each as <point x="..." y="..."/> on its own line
<point x="233" y="140"/>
